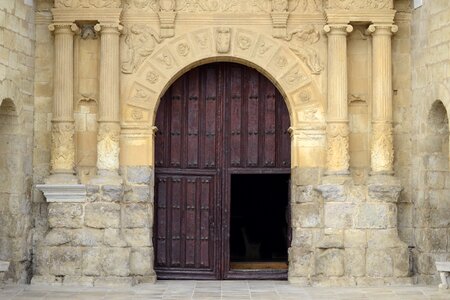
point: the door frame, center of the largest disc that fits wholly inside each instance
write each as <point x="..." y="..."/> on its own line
<point x="256" y="274"/>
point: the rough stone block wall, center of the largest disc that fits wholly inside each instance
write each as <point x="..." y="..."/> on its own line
<point x="104" y="241"/>
<point x="17" y="42"/>
<point x="430" y="105"/>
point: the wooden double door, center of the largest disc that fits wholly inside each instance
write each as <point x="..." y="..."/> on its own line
<point x="216" y="120"/>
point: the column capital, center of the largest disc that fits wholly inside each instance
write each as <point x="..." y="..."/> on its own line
<point x="114" y="28"/>
<point x="382" y="29"/>
<point x="68" y="28"/>
<point x="338" y="29"/>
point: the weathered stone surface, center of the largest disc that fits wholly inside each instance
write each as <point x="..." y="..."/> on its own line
<point x="114" y="238"/>
<point x="136" y="215"/>
<point x="139" y="175"/>
<point x="58" y="236"/>
<point x="330" y="262"/>
<point x="77" y="281"/>
<point x="138" y="237"/>
<point x="355" y="262"/>
<point x="384" y="188"/>
<point x="137" y="193"/>
<point x="305" y="215"/>
<point x="141" y="261"/>
<point x="113" y="281"/>
<point x="92" y="259"/>
<point x="306" y="194"/>
<point x="102" y="215"/>
<point x="376" y="215"/>
<point x="332" y="238"/>
<point x="301" y="262"/>
<point x="355" y="238"/>
<point x="402" y="266"/>
<point x="112" y="193"/>
<point x="64" y="260"/>
<point x="379" y="263"/>
<point x="87" y="237"/>
<point x="338" y="214"/>
<point x="333" y="191"/>
<point x="383" y="238"/>
<point x="115" y="261"/>
<point x="66" y="215"/>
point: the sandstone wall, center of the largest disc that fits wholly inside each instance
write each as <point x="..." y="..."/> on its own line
<point x="430" y="180"/>
<point x="17" y="42"/>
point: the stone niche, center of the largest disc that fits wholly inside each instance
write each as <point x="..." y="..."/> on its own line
<point x="344" y="225"/>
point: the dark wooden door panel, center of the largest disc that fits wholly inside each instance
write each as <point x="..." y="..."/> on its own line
<point x="185" y="211"/>
<point x="214" y="119"/>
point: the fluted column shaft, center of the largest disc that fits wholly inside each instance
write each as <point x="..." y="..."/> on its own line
<point x="109" y="106"/>
<point x="63" y="130"/>
<point x="337" y="115"/>
<point x="382" y="147"/>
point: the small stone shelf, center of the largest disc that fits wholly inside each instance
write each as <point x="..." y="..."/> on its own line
<point x="443" y="268"/>
<point x="63" y="192"/>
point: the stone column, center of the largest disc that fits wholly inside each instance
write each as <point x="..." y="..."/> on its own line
<point x="63" y="130"/>
<point x="382" y="148"/>
<point x="109" y="106"/>
<point x="337" y="126"/>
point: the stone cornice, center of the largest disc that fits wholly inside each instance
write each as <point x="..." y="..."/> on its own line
<point x="102" y="15"/>
<point x="360" y="15"/>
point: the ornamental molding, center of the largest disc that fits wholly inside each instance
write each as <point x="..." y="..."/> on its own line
<point x="338" y="147"/>
<point x="382" y="150"/>
<point x="63" y="147"/>
<point x="88" y="3"/>
<point x="359" y="4"/>
<point x="108" y="146"/>
<point x="63" y="193"/>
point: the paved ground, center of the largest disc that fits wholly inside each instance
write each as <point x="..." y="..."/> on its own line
<point x="226" y="290"/>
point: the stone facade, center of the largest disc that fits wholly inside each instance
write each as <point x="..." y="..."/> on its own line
<point x="365" y="86"/>
<point x="17" y="49"/>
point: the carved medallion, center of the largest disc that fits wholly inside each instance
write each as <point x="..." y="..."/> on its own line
<point x="152" y="77"/>
<point x="183" y="49"/>
<point x="244" y="42"/>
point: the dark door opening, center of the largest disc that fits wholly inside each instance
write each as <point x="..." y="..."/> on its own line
<point x="259" y="221"/>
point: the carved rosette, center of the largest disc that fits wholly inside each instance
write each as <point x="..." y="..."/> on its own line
<point x="338" y="148"/>
<point x="63" y="147"/>
<point x="108" y="146"/>
<point x="382" y="152"/>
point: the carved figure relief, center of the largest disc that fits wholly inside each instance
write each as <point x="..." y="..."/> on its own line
<point x="202" y="39"/>
<point x="301" y="41"/>
<point x="352" y="4"/>
<point x="263" y="47"/>
<point x="140" y="95"/>
<point x="223" y="38"/>
<point x="88" y="3"/>
<point x="382" y="152"/>
<point x="165" y="59"/>
<point x="295" y="77"/>
<point x="268" y="6"/>
<point x="63" y="148"/>
<point x="338" y="147"/>
<point x="108" y="146"/>
<point x="141" y="41"/>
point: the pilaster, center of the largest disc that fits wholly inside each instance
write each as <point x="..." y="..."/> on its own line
<point x="63" y="130"/>
<point x="382" y="148"/>
<point x="337" y="127"/>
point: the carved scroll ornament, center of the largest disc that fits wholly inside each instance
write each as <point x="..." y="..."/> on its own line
<point x="382" y="152"/>
<point x="108" y="146"/>
<point x="141" y="41"/>
<point x="88" y="3"/>
<point x="63" y="149"/>
<point x="338" y="147"/>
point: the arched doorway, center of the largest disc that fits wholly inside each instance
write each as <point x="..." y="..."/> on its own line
<point x="222" y="156"/>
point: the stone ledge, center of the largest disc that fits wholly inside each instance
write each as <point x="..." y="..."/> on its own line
<point x="64" y="193"/>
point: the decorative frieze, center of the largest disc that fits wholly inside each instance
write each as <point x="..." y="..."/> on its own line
<point x="87" y="3"/>
<point x="360" y="4"/>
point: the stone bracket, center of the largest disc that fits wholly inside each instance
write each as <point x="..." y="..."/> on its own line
<point x="443" y="268"/>
<point x="279" y="23"/>
<point x="384" y="187"/>
<point x="167" y="23"/>
<point x="64" y="193"/>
